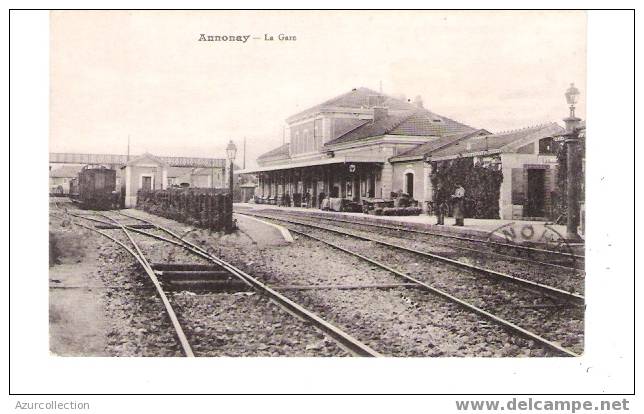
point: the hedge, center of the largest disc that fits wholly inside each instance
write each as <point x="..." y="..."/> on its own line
<point x="198" y="207"/>
<point x="482" y="186"/>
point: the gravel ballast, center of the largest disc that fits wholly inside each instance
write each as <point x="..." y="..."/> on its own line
<point x="550" y="318"/>
<point x="400" y="322"/>
<point x="216" y="324"/>
<point x="479" y="254"/>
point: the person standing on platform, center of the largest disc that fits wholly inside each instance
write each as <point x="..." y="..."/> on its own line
<point x="441" y="207"/>
<point x="458" y="199"/>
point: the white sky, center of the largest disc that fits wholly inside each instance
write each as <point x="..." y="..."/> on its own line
<point x="144" y="74"/>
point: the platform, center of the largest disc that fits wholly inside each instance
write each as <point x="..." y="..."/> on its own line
<point x="263" y="233"/>
<point x="477" y="228"/>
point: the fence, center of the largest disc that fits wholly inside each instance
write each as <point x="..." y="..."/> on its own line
<point x="205" y="208"/>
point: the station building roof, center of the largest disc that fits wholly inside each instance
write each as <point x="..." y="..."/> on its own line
<point x="418" y="122"/>
<point x="397" y="117"/>
<point x="343" y="159"/>
<point x="357" y="98"/>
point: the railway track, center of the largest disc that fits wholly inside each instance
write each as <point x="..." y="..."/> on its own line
<point x="195" y="274"/>
<point x="561" y="259"/>
<point x="546" y="289"/>
<point x="534" y="291"/>
<point x="144" y="227"/>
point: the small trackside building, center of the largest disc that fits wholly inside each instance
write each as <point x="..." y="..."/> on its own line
<point x="197" y="177"/>
<point x="411" y="169"/>
<point x="59" y="179"/>
<point x="146" y="172"/>
<point x="526" y="157"/>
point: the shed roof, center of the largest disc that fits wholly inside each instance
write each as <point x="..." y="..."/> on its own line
<point x="419" y="151"/>
<point x="67" y="171"/>
<point x="147" y="156"/>
<point x="202" y="171"/>
<point x="280" y="152"/>
<point x="507" y="141"/>
<point x="178" y="171"/>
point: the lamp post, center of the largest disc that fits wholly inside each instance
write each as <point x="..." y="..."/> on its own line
<point x="231" y="152"/>
<point x="573" y="164"/>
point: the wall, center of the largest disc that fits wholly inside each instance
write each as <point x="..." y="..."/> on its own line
<point x="54" y="182"/>
<point x="201" y="181"/>
<point x="416" y="167"/>
<point x="302" y="137"/>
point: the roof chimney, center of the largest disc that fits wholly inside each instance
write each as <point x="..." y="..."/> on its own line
<point x="418" y="101"/>
<point x="380" y="112"/>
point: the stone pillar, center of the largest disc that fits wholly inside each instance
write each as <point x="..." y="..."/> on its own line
<point x="427" y="185"/>
<point x="130" y="199"/>
<point x="386" y="180"/>
<point x="505" y="193"/>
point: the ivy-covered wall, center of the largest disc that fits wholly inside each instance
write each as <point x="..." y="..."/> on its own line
<point x="559" y="195"/>
<point x="482" y="185"/>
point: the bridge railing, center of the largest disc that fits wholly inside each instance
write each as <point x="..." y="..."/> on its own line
<point x="118" y="159"/>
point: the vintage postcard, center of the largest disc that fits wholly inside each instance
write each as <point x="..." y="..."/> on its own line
<point x="222" y="191"/>
<point x="269" y="184"/>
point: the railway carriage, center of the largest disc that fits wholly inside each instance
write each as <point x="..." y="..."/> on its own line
<point x="95" y="188"/>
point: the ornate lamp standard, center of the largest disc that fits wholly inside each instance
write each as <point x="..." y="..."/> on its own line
<point x="573" y="164"/>
<point x="231" y="152"/>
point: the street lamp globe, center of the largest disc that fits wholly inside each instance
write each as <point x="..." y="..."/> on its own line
<point x="231" y="150"/>
<point x="572" y="95"/>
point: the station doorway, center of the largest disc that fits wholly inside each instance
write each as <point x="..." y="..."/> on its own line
<point x="409" y="184"/>
<point x="535" y="202"/>
<point x="146" y="183"/>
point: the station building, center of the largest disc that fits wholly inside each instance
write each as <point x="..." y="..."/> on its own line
<point x="364" y="145"/>
<point x="341" y="147"/>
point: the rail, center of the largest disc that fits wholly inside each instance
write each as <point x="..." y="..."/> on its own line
<point x="550" y="290"/>
<point x="504" y="323"/>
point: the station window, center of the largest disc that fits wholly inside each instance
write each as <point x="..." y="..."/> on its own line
<point x="317" y="133"/>
<point x="305" y="138"/>
<point x="296" y="146"/>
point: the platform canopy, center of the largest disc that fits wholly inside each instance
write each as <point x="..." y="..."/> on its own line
<point x="346" y="159"/>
